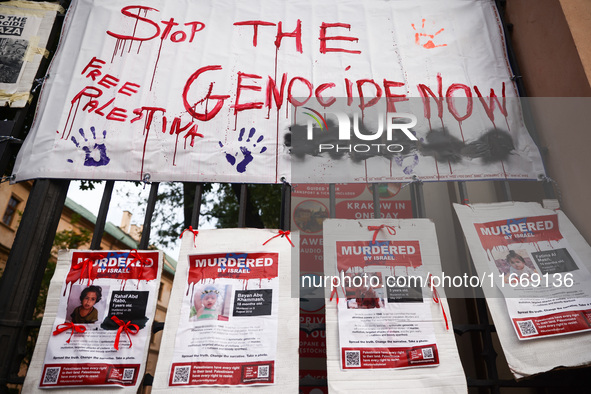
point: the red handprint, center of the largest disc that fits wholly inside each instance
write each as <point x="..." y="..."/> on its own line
<point x="419" y="37"/>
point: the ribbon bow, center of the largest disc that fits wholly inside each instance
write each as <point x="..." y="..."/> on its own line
<point x="87" y="265"/>
<point x="438" y="301"/>
<point x="376" y="230"/>
<point x="126" y="327"/>
<point x="281" y="234"/>
<point x="69" y="326"/>
<point x="195" y="232"/>
<point x="136" y="256"/>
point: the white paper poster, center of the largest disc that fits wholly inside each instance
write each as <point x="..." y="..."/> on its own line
<point x="545" y="284"/>
<point x="386" y="316"/>
<point x="206" y="91"/>
<point x="102" y="326"/>
<point x="232" y="321"/>
<point x="24" y="30"/>
<point x="228" y="329"/>
<point x="386" y="320"/>
<point x="538" y="267"/>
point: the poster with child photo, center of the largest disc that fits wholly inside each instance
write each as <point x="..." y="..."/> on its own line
<point x="101" y="329"/>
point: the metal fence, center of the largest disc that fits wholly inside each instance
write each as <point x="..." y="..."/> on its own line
<point x="21" y="280"/>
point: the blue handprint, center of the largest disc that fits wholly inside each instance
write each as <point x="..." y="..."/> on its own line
<point x="92" y="149"/>
<point x="241" y="166"/>
<point x="408" y="162"/>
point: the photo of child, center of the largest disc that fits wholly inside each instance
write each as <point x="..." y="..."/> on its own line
<point x="86" y="312"/>
<point x="514" y="265"/>
<point x="210" y="303"/>
<point x="517" y="265"/>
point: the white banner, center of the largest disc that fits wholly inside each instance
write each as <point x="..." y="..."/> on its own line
<point x="203" y="91"/>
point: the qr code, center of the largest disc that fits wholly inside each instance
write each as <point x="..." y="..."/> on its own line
<point x="527" y="328"/>
<point x="181" y="375"/>
<point x="427" y="352"/>
<point x="128" y="373"/>
<point x="263" y="371"/>
<point x="51" y="375"/>
<point x="352" y="358"/>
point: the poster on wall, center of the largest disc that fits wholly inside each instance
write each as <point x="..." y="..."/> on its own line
<point x="227" y="334"/>
<point x="230" y="306"/>
<point x="382" y="325"/>
<point x="536" y="266"/>
<point x="101" y="326"/>
<point x="382" y="313"/>
<point x="219" y="91"/>
<point x="24" y="30"/>
<point x="545" y="284"/>
<point x="310" y="204"/>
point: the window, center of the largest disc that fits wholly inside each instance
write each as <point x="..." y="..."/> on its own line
<point x="10" y="210"/>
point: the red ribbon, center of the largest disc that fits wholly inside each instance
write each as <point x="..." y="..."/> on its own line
<point x="438" y="301"/>
<point x="334" y="292"/>
<point x="136" y="256"/>
<point x="195" y="232"/>
<point x="87" y="265"/>
<point x="126" y="327"/>
<point x="69" y="326"/>
<point x="281" y="234"/>
<point x="376" y="230"/>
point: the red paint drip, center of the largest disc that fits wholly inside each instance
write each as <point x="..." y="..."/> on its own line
<point x="135" y="28"/>
<point x="147" y="124"/>
<point x="156" y="64"/>
<point x="461" y="131"/>
<point x="437" y="169"/>
<point x="175" y="147"/>
<point x="117" y="43"/>
<point x="68" y="119"/>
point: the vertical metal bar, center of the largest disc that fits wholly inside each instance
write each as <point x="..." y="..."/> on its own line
<point x="242" y="205"/>
<point x="506" y="189"/>
<point x="21" y="280"/>
<point x="375" y="189"/>
<point x="413" y="201"/>
<point x="99" y="226"/>
<point x="464" y="199"/>
<point x="525" y="108"/>
<point x="197" y="205"/>
<point x="145" y="241"/>
<point x="332" y="200"/>
<point x="548" y="189"/>
<point x="419" y="199"/>
<point x="488" y="351"/>
<point x="285" y="218"/>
